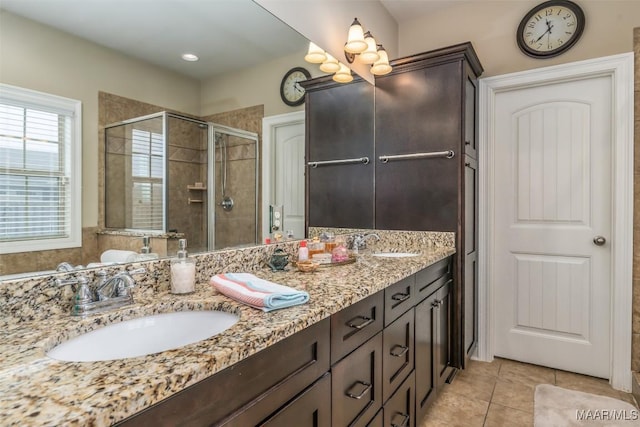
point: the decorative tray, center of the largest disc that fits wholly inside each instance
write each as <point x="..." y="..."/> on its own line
<point x="350" y="260"/>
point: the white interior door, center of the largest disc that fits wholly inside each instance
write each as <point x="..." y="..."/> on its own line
<point x="552" y="192"/>
<point x="283" y="177"/>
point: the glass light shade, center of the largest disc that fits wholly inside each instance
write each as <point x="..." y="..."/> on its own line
<point x="343" y="75"/>
<point x="370" y="55"/>
<point x="330" y="65"/>
<point x="381" y="66"/>
<point x="355" y="40"/>
<point x="315" y="55"/>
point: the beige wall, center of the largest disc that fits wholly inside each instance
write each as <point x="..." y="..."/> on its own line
<point x="491" y="27"/>
<point x="37" y="57"/>
<point x="253" y="86"/>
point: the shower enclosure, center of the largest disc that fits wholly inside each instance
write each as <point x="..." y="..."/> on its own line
<point x="169" y="173"/>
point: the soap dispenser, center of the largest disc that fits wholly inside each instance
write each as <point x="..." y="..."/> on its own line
<point x="183" y="271"/>
<point x="145" y="252"/>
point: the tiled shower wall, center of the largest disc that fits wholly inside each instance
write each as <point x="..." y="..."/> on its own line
<point x="635" y="353"/>
<point x="238" y="225"/>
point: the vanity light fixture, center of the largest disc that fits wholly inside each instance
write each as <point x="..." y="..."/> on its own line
<point x="343" y="75"/>
<point x="330" y="65"/>
<point x="315" y="55"/>
<point x="370" y="54"/>
<point x="359" y="44"/>
<point x="381" y="66"/>
<point x="355" y="40"/>
<point x="190" y="57"/>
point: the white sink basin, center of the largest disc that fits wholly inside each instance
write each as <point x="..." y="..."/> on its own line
<point x="142" y="336"/>
<point x="395" y="254"/>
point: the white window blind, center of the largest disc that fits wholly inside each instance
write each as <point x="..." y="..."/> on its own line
<point x="147" y="159"/>
<point x="39" y="171"/>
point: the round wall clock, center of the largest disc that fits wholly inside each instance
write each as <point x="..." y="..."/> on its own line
<point x="550" y="28"/>
<point x="290" y="90"/>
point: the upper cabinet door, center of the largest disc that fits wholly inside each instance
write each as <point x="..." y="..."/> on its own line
<point x="339" y="129"/>
<point x="419" y="111"/>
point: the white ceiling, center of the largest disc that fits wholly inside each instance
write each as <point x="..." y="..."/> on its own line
<point x="225" y="34"/>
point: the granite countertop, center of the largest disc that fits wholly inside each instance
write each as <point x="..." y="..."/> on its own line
<point x="39" y="391"/>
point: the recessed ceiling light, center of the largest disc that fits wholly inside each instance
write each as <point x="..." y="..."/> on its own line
<point x="189" y="57"/>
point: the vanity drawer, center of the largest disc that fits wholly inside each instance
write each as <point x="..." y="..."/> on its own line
<point x="311" y="408"/>
<point x="431" y="278"/>
<point x="399" y="411"/>
<point x="398" y="298"/>
<point x="397" y="353"/>
<point x="356" y="324"/>
<point x="289" y="366"/>
<point x="356" y="385"/>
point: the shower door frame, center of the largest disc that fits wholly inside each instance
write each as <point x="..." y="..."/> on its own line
<point x="211" y="178"/>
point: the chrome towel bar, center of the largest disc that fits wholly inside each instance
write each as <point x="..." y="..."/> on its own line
<point x="363" y="160"/>
<point x="446" y="154"/>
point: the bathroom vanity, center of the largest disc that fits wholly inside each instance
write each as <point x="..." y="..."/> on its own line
<point x="371" y="345"/>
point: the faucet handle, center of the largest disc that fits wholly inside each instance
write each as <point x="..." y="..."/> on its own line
<point x="140" y="270"/>
<point x="64" y="282"/>
<point x="84" y="294"/>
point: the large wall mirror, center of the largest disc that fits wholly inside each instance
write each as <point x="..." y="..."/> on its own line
<point x="125" y="67"/>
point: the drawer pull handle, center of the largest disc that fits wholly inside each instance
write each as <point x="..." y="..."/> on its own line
<point x="367" y="387"/>
<point x="404" y="423"/>
<point x="366" y="321"/>
<point x="400" y="297"/>
<point x="395" y="353"/>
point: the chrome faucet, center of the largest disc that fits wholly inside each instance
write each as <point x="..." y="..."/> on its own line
<point x="359" y="241"/>
<point x="109" y="293"/>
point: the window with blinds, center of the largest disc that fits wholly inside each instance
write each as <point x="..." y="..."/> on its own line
<point x="147" y="158"/>
<point x="39" y="171"/>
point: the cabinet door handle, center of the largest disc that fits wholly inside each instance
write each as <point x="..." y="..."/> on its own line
<point x="367" y="387"/>
<point x="400" y="296"/>
<point x="467" y="143"/>
<point x="435" y="304"/>
<point x="366" y="321"/>
<point x="395" y="353"/>
<point x="404" y="423"/>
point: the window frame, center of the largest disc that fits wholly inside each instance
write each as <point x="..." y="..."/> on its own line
<point x="28" y="98"/>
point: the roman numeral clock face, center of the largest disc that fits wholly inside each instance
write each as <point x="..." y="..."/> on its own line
<point x="550" y="28"/>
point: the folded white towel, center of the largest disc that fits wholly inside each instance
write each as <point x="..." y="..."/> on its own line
<point x="256" y="292"/>
<point x="117" y="255"/>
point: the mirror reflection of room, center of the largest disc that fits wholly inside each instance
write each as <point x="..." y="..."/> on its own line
<point x="225" y="94"/>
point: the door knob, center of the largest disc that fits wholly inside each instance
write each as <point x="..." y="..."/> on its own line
<point x="599" y="240"/>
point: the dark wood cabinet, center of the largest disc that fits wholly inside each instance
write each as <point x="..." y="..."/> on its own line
<point x="398" y="298"/>
<point x="397" y="353"/>
<point x="432" y="343"/>
<point x="312" y="408"/>
<point x="339" y="131"/>
<point x="273" y="376"/>
<point x="355" y="324"/>
<point x="426" y="119"/>
<point x="423" y="119"/>
<point x="470" y="267"/>
<point x="380" y="361"/>
<point x="399" y="411"/>
<point x="356" y="389"/>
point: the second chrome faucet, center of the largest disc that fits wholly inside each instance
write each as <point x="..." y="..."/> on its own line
<point x="107" y="294"/>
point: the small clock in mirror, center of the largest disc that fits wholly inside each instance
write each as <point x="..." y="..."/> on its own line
<point x="550" y="28"/>
<point x="291" y="92"/>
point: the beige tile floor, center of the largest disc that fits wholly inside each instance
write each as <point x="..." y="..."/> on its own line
<point x="500" y="393"/>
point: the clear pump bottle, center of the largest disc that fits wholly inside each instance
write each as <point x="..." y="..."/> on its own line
<point x="145" y="252"/>
<point x="183" y="271"/>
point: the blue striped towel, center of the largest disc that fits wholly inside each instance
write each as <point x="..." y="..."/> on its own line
<point x="257" y="293"/>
